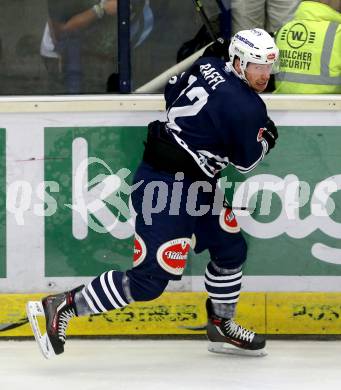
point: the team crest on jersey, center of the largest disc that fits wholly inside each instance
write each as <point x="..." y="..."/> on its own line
<point x="260" y="134"/>
<point x="172" y="255"/>
<point x="228" y="221"/>
<point x="140" y="250"/>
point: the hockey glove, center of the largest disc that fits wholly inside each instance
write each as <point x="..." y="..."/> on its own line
<point x="270" y="134"/>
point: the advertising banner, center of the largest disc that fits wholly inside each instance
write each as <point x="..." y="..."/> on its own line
<point x="294" y="227"/>
<point x="68" y="215"/>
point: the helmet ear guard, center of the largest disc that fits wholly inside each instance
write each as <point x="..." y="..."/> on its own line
<point x="255" y="46"/>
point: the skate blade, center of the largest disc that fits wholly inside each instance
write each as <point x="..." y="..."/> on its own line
<point x="229" y="349"/>
<point x="35" y="309"/>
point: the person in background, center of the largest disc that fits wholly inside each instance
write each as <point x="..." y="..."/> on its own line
<point x="269" y="15"/>
<point x="52" y="62"/>
<point x="215" y="117"/>
<point x="80" y="36"/>
<point x="310" y="46"/>
<point x="219" y="20"/>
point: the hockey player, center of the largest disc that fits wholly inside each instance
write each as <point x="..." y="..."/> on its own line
<point x="215" y="117"/>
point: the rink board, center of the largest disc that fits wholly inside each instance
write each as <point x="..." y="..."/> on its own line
<point x="183" y="313"/>
<point x="46" y="245"/>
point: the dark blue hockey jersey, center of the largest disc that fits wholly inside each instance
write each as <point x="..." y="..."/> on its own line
<point x="216" y="117"/>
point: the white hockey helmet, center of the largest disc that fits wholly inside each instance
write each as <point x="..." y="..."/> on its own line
<point x="255" y="46"/>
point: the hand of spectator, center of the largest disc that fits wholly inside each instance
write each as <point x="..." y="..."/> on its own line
<point x="109" y="6"/>
<point x="219" y="48"/>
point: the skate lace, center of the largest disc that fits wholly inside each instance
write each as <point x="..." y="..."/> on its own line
<point x="64" y="319"/>
<point x="237" y="331"/>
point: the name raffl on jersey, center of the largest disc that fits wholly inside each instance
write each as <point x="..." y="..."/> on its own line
<point x="216" y="117"/>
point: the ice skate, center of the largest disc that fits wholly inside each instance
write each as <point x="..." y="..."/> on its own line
<point x="226" y="336"/>
<point x="58" y="310"/>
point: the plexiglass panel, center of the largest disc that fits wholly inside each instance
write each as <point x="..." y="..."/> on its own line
<point x="71" y="46"/>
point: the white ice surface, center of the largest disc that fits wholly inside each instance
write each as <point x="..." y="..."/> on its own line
<point x="169" y="364"/>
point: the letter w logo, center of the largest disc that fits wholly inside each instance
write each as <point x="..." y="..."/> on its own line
<point x="297" y="35"/>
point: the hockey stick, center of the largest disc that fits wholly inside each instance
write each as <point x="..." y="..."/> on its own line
<point x="220" y="44"/>
<point x="199" y="7"/>
<point x="161" y="80"/>
<point x="12" y="325"/>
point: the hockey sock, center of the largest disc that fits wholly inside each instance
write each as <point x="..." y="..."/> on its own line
<point x="223" y="287"/>
<point x="224" y="310"/>
<point x="106" y="292"/>
<point x="82" y="307"/>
